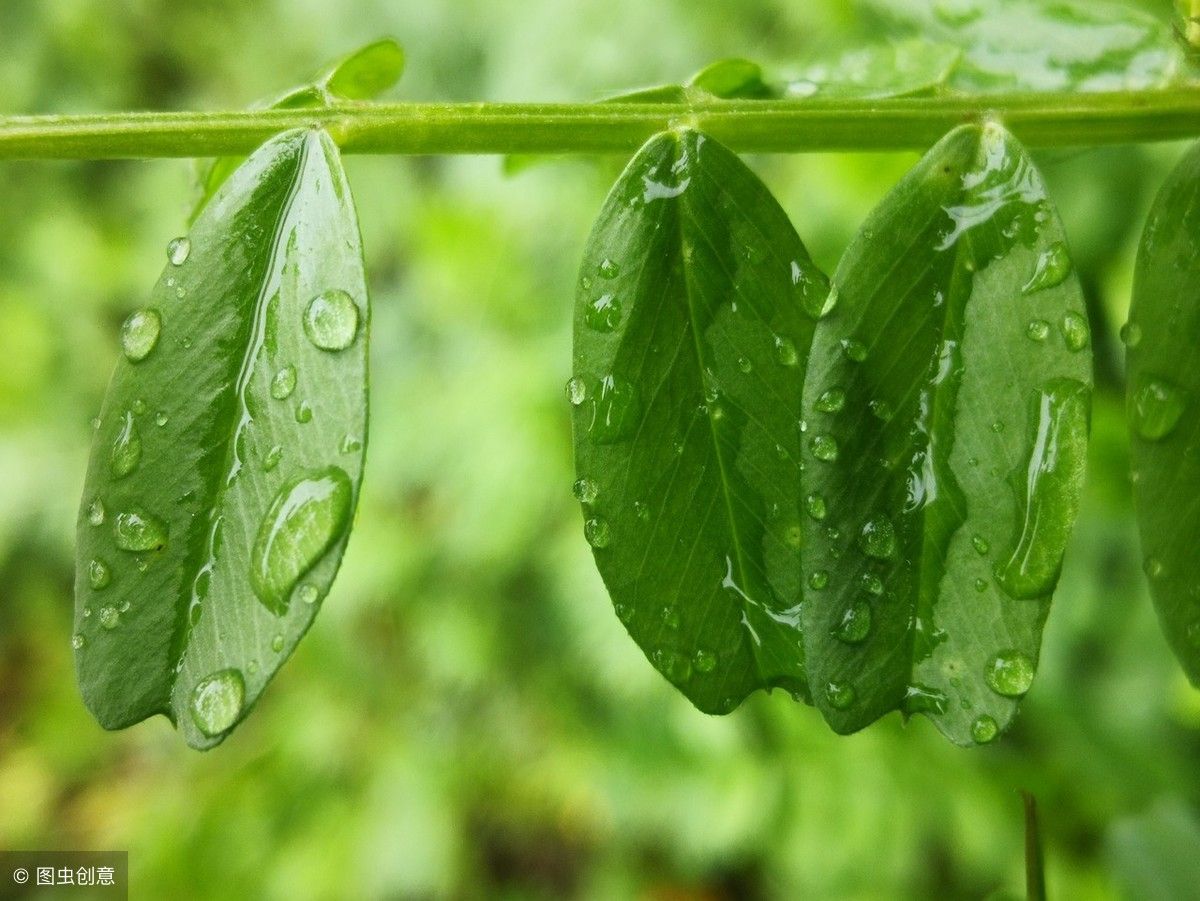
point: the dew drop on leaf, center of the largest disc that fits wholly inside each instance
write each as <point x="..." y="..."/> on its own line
<point x="1074" y="331"/>
<point x="126" y="448"/>
<point x="608" y="268"/>
<point x="137" y="531"/>
<point x="96" y="512"/>
<point x="585" y="491"/>
<point x="178" y="250"/>
<point x="283" y="383"/>
<point x="576" y="391"/>
<point x="331" y="320"/>
<point x="597" y="532"/>
<point x="1009" y="673"/>
<point x="1157" y="407"/>
<point x="840" y="695"/>
<point x="855" y="624"/>
<point x="704" y="661"/>
<point x="308" y="594"/>
<point x="1052" y="267"/>
<point x="980" y="544"/>
<point x="1131" y="334"/>
<point x="878" y="538"/>
<point x="277" y="643"/>
<point x="818" y="580"/>
<point x="872" y="584"/>
<point x="217" y="701"/>
<point x="109" y="617"/>
<point x="303" y="412"/>
<point x="831" y="401"/>
<point x="1038" y="329"/>
<point x="99" y="575"/>
<point x="984" y="729"/>
<point x="922" y="699"/>
<point x="855" y="351"/>
<point x="77" y="641"/>
<point x="615" y="410"/>
<point x="785" y="351"/>
<point x="824" y="447"/>
<point x="273" y="455"/>
<point x="139" y="334"/>
<point x="815" y="505"/>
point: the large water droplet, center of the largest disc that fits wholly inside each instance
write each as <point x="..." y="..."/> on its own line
<point x="831" y="401"/>
<point x="1009" y="673"/>
<point x="1053" y="266"/>
<point x="818" y="580"/>
<point x="139" y="334"/>
<point x="1049" y="487"/>
<point x="1038" y="329"/>
<point x="1157" y="407"/>
<point x="137" y="531"/>
<point x="178" y="250"/>
<point x="99" y="575"/>
<point x="283" y="383"/>
<point x="597" y="532"/>
<point x="308" y="515"/>
<point x="272" y="457"/>
<point x="616" y="410"/>
<point x="878" y="538"/>
<point x="109" y="618"/>
<point x="331" y="320"/>
<point x="603" y="314"/>
<point x="217" y="701"/>
<point x="984" y="729"/>
<point x="585" y="491"/>
<point x="855" y="624"/>
<point x="126" y="448"/>
<point x="840" y="695"/>
<point x="576" y="391"/>
<point x="824" y="447"/>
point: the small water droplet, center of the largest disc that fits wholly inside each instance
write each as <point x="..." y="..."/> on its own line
<point x="331" y="320"/>
<point x="855" y="623"/>
<point x="984" y="729"/>
<point x="139" y="334"/>
<point x="980" y="544"/>
<point x="981" y="585"/>
<point x="109" y="617"/>
<point x="871" y="584"/>
<point x="641" y="510"/>
<point x="1153" y="567"/>
<point x="840" y="695"/>
<point x="997" y="427"/>
<point x="1157" y="408"/>
<point x="603" y="314"/>
<point x="1052" y="267"/>
<point x="878" y="538"/>
<point x="785" y="351"/>
<point x="284" y="383"/>
<point x="880" y="409"/>
<point x="137" y="531"/>
<point x="178" y="250"/>
<point x="816" y="507"/>
<point x="277" y="643"/>
<point x="576" y="391"/>
<point x="1074" y="331"/>
<point x="855" y="351"/>
<point x="1038" y="329"/>
<point x="95" y="513"/>
<point x="126" y="448"/>
<point x="308" y="594"/>
<point x="608" y="268"/>
<point x="77" y="641"/>
<point x="1131" y="334"/>
<point x="744" y="364"/>
<point x="597" y="532"/>
<point x="99" y="575"/>
<point x="138" y="407"/>
<point x="818" y="580"/>
<point x="585" y="491"/>
<point x="304" y="412"/>
<point x="217" y="701"/>
<point x="831" y="401"/>
<point x="1009" y="673"/>
<point x="824" y="447"/>
<point x="161" y="419"/>
<point x="271" y="460"/>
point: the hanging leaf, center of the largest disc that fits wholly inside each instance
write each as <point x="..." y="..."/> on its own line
<point x="946" y="410"/>
<point x="693" y="320"/>
<point x="362" y="75"/>
<point x="229" y="450"/>
<point x="1163" y="357"/>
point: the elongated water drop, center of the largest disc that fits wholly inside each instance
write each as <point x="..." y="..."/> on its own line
<point x="1009" y="673"/>
<point x="785" y="351"/>
<point x="331" y="320"/>
<point x="137" y="531"/>
<point x="139" y="334"/>
<point x="576" y="391"/>
<point x="603" y="314"/>
<point x="99" y="575"/>
<point x="126" y="448"/>
<point x="831" y="401"/>
<point x="178" y="250"/>
<point x="283" y="383"/>
<point x="616" y="410"/>
<point x="1048" y="491"/>
<point x="1157" y="407"/>
<point x="308" y="515"/>
<point x="217" y="701"/>
<point x="96" y="512"/>
<point x="1074" y="331"/>
<point x="1052" y="267"/>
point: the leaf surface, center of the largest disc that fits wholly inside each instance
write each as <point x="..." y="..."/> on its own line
<point x="229" y="450"/>
<point x="946" y="412"/>
<point x="1163" y="370"/>
<point x="692" y="329"/>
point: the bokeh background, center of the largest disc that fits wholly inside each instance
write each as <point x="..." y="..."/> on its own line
<point x="468" y="718"/>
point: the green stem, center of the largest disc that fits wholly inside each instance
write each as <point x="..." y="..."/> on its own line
<point x="816" y="124"/>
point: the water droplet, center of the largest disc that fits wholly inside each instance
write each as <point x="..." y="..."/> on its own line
<point x="980" y="544"/>
<point x="304" y="412"/>
<point x="1038" y="329"/>
<point x="675" y="667"/>
<point x="880" y="409"/>
<point x="109" y="617"/>
<point x="1074" y="331"/>
<point x="99" y="575"/>
<point x="307" y="516"/>
<point x="981" y="585"/>
<point x="855" y="351"/>
<point x="217" y="701"/>
<point x="997" y="427"/>
<point x="95" y="513"/>
<point x="923" y="699"/>
<point x="855" y="623"/>
<point x="77" y="641"/>
<point x="616" y="410"/>
<point x="878" y="538"/>
<point x="308" y="594"/>
<point x="1049" y="489"/>
<point x="576" y="391"/>
<point x="139" y="334"/>
<point x="1053" y="266"/>
<point x="785" y="351"/>
<point x="277" y="643"/>
<point x="818" y="580"/>
<point x="1131" y="334"/>
<point x="641" y="510"/>
<point x="349" y="444"/>
<point x="815" y="505"/>
<point x="1157" y="407"/>
<point x="138" y="407"/>
<point x="161" y="419"/>
<point x="603" y="314"/>
<point x="585" y="491"/>
<point x="744" y="364"/>
<point x="1009" y="673"/>
<point x="271" y="460"/>
<point x="704" y="661"/>
<point x="284" y="383"/>
<point x="137" y="531"/>
<point x="608" y="268"/>
<point x="872" y="584"/>
<point x="824" y="447"/>
<point x="126" y="448"/>
<point x="984" y="729"/>
<point x="831" y="401"/>
<point x="178" y="250"/>
<point x="1153" y="567"/>
<point x="597" y="532"/>
<point x="840" y="695"/>
<point x="331" y="320"/>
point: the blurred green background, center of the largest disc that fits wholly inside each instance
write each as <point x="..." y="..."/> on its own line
<point x="468" y="718"/>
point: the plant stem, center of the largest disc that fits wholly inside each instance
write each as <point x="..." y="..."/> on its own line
<point x="815" y="124"/>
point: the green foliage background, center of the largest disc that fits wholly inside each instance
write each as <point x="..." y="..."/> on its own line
<point x="468" y="717"/>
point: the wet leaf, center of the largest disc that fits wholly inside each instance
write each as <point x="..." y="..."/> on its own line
<point x="694" y="314"/>
<point x="946" y="408"/>
<point x="228" y="454"/>
<point x="1163" y="356"/>
<point x="897" y="69"/>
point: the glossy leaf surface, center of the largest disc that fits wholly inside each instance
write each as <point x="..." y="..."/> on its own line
<point x="696" y="306"/>
<point x="229" y="450"/>
<point x="946" y="412"/>
<point x="896" y="69"/>
<point x="1163" y="367"/>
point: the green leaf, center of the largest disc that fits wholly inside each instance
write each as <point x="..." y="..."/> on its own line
<point x="361" y="75"/>
<point x="897" y="69"/>
<point x="946" y="413"/>
<point x="1010" y="45"/>
<point x="229" y="450"/>
<point x="692" y="328"/>
<point x="1162" y="357"/>
<point x="730" y="79"/>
